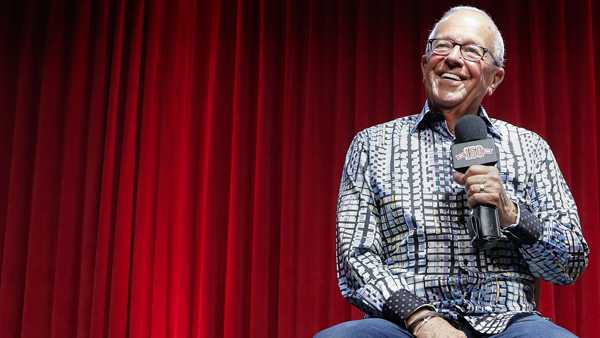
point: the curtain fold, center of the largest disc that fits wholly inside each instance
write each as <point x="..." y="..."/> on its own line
<point x="171" y="168"/>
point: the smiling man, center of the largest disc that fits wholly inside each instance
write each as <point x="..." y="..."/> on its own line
<point x="405" y="255"/>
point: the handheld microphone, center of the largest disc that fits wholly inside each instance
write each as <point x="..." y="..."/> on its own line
<point x="471" y="147"/>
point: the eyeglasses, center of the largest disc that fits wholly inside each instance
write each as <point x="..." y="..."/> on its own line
<point x="469" y="51"/>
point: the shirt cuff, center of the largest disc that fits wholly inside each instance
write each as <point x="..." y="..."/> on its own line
<point x="528" y="228"/>
<point x="402" y="304"/>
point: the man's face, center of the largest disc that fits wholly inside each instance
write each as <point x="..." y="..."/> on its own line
<point x="453" y="83"/>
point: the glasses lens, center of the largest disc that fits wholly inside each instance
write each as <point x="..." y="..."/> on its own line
<point x="442" y="47"/>
<point x="472" y="52"/>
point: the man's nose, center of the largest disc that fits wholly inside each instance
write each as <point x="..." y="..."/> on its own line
<point x="454" y="57"/>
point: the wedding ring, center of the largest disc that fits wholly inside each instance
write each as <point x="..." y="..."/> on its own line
<point x="482" y="187"/>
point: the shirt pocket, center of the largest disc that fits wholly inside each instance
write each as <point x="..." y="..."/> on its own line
<point x="397" y="227"/>
<point x="396" y="220"/>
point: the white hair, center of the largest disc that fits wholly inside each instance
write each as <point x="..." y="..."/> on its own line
<point x="497" y="50"/>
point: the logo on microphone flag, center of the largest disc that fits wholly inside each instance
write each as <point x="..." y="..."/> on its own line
<point x="473" y="152"/>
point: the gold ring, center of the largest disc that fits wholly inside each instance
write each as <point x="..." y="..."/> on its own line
<point x="482" y="187"/>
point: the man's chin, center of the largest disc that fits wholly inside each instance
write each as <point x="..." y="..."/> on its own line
<point x="447" y="102"/>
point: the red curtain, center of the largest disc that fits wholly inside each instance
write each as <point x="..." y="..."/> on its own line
<point x="169" y="168"/>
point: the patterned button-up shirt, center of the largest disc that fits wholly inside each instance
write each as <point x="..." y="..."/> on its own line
<point x="402" y="238"/>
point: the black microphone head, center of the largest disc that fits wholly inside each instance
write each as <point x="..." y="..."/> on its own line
<point x="470" y="128"/>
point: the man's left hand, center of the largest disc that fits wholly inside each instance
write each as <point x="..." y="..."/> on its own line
<point x="484" y="186"/>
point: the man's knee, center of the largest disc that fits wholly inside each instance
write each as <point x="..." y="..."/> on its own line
<point x="349" y="329"/>
<point x="363" y="328"/>
<point x="536" y="326"/>
<point x="346" y="329"/>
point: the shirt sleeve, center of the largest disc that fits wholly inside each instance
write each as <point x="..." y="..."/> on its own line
<point x="549" y="230"/>
<point x="363" y="277"/>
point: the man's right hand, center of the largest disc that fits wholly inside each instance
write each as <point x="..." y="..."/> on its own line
<point x="438" y="328"/>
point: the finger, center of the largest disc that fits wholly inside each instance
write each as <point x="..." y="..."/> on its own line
<point x="476" y="179"/>
<point x="484" y="198"/>
<point x="459" y="177"/>
<point x="481" y="188"/>
<point x="481" y="184"/>
<point x="478" y="169"/>
<point x="473" y="189"/>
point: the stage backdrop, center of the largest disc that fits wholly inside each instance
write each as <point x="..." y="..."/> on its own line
<point x="170" y="168"/>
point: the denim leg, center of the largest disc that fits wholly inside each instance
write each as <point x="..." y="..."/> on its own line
<point x="365" y="328"/>
<point x="534" y="326"/>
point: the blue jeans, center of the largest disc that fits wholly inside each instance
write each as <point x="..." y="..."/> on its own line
<point x="530" y="326"/>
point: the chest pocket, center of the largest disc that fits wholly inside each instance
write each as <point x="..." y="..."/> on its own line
<point x="398" y="228"/>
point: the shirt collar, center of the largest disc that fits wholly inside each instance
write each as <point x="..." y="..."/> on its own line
<point x="427" y="116"/>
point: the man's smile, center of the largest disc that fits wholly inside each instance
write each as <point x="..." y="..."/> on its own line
<point x="450" y="76"/>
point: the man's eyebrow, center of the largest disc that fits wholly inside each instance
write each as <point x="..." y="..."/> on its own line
<point x="459" y="41"/>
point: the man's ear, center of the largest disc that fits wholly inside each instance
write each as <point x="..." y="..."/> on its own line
<point x="497" y="79"/>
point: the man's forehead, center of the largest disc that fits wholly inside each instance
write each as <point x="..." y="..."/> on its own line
<point x="466" y="26"/>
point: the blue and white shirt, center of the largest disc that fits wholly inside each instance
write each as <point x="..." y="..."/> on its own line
<point x="402" y="238"/>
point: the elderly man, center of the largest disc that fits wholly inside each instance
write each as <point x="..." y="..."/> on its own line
<point x="404" y="254"/>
